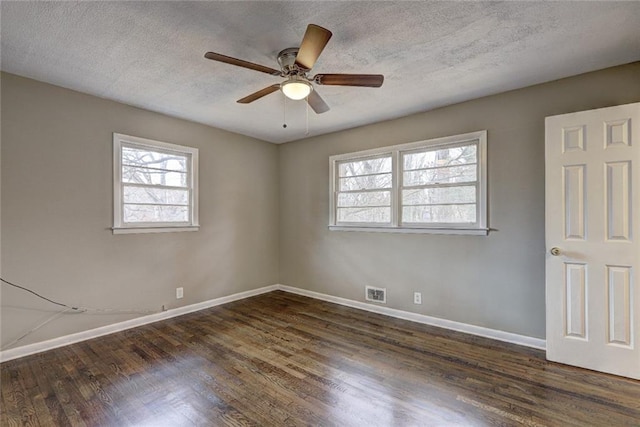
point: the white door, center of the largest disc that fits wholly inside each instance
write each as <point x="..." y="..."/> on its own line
<point x="592" y="233"/>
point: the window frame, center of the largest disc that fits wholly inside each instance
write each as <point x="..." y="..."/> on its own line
<point x="397" y="172"/>
<point x="121" y="227"/>
<point x="336" y="179"/>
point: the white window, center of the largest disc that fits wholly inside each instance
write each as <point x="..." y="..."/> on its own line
<point x="434" y="186"/>
<point x="363" y="193"/>
<point x="155" y="186"/>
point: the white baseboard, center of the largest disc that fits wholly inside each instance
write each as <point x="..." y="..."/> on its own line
<point x="39" y="347"/>
<point x="427" y="320"/>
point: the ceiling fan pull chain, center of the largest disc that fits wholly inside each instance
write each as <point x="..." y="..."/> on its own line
<point x="307" y="132"/>
<point x="284" y="112"/>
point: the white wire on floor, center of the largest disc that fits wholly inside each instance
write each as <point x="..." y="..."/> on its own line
<point x="67" y="309"/>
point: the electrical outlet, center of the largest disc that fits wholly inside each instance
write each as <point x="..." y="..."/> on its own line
<point x="179" y="293"/>
<point x="417" y="298"/>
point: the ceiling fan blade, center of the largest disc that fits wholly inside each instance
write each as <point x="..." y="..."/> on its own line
<point x="366" y="80"/>
<point x="314" y="40"/>
<point x="317" y="103"/>
<point x="240" y="63"/>
<point x="259" y="94"/>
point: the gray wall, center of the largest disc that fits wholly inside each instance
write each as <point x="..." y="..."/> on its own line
<point x="495" y="281"/>
<point x="57" y="210"/>
<point x="267" y="222"/>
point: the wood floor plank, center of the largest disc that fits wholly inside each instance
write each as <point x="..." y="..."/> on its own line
<point x="280" y="359"/>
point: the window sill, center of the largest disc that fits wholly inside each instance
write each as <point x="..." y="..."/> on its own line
<point x="142" y="230"/>
<point x="407" y="230"/>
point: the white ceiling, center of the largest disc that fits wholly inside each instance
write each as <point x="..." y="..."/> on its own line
<point x="150" y="54"/>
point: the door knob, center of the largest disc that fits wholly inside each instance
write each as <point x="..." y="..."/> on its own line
<point x="555" y="251"/>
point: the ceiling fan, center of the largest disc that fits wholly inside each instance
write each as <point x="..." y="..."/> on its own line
<point x="295" y="63"/>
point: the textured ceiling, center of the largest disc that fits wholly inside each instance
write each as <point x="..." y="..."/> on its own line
<point x="150" y="54"/>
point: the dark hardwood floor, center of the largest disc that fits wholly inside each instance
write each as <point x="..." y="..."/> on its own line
<point x="282" y="359"/>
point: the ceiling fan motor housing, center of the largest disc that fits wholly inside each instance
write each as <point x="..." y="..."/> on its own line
<point x="287" y="61"/>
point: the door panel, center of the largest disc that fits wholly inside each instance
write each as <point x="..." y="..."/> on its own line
<point x="574" y="202"/>
<point x="591" y="208"/>
<point x="618" y="200"/>
<point x="619" y="308"/>
<point x="576" y="300"/>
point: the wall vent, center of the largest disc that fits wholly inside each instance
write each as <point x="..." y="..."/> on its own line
<point x="376" y="294"/>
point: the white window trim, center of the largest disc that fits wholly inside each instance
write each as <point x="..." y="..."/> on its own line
<point x="119" y="227"/>
<point x="334" y="173"/>
<point x="480" y="228"/>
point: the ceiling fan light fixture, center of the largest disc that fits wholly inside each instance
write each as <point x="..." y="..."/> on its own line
<point x="296" y="89"/>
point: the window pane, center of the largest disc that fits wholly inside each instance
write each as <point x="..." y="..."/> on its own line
<point x="136" y="175"/>
<point x="439" y="195"/>
<point x="370" y="198"/>
<point x="366" y="167"/>
<point x="160" y="196"/>
<point x="442" y="157"/>
<point x="370" y="182"/>
<point x="381" y="215"/>
<point x="451" y="174"/>
<point x="153" y="159"/>
<point x="439" y="214"/>
<point x="150" y="213"/>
